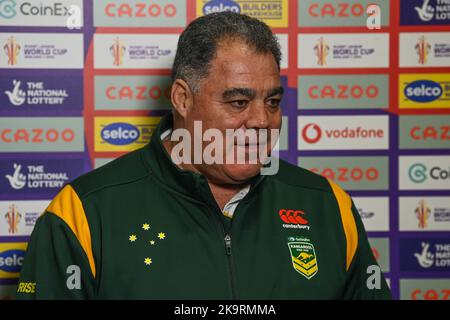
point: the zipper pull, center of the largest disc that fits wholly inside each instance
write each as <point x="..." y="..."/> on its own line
<point x="228" y="244"/>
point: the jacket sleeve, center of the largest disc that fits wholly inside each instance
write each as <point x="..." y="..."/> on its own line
<point x="59" y="262"/>
<point x="365" y="281"/>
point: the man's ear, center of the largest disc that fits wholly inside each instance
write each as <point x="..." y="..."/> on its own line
<point x="182" y="97"/>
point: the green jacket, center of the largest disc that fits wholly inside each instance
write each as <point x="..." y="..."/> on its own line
<point x="140" y="228"/>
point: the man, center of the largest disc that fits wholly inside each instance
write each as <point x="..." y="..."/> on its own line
<point x="148" y="226"/>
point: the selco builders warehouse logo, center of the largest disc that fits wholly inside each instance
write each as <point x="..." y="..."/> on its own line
<point x="57" y="134"/>
<point x="425" y="255"/>
<point x="41" y="50"/>
<point x="424" y="12"/>
<point x="11" y="259"/>
<point x="134" y="51"/>
<point x="48" y="13"/>
<point x="272" y="12"/>
<point x="18" y="218"/>
<point x="343" y="132"/>
<point x="140" y="13"/>
<point x="40" y="93"/>
<point x="426" y="90"/>
<point x="117" y="134"/>
<point x="424" y="172"/>
<point x="326" y="13"/>
<point x="38" y="176"/>
<point x="350" y="50"/>
<point x="427" y="49"/>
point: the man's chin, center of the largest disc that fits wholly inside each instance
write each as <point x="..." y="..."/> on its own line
<point x="242" y="172"/>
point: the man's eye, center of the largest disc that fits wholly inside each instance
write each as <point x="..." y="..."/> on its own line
<point x="239" y="103"/>
<point x="274" y="103"/>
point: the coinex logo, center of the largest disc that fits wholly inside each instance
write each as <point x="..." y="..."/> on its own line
<point x="137" y="93"/>
<point x="36" y="135"/>
<point x="290" y="216"/>
<point x="343" y="92"/>
<point x="140" y="10"/>
<point x="343" y="174"/>
<point x="340" y="9"/>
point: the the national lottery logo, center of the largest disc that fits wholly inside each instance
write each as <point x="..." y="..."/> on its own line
<point x="35" y="93"/>
<point x="12" y="49"/>
<point x="35" y="176"/>
<point x="425" y="255"/>
<point x="428" y="257"/>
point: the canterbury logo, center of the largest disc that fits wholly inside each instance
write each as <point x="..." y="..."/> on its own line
<point x="292" y="216"/>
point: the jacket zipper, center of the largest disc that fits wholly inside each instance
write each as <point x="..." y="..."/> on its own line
<point x="227" y="243"/>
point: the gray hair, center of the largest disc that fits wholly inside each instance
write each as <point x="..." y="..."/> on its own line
<point x="198" y="43"/>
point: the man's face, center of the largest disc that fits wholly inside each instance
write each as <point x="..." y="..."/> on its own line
<point x="242" y="91"/>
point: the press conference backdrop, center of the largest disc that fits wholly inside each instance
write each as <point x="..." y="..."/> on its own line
<point x="367" y="108"/>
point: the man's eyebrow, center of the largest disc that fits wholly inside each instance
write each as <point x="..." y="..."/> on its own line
<point x="233" y="92"/>
<point x="275" y="91"/>
<point x="249" y="93"/>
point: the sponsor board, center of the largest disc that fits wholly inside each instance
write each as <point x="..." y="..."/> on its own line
<point x="41" y="93"/>
<point x="424" y="172"/>
<point x="117" y="134"/>
<point x="424" y="289"/>
<point x="343" y="91"/>
<point x="48" y="13"/>
<point x="41" y="51"/>
<point x="18" y="218"/>
<point x="424" y="213"/>
<point x="273" y="12"/>
<point x="424" y="132"/>
<point x="38" y="134"/>
<point x="140" y="13"/>
<point x="426" y="49"/>
<point x="425" y="255"/>
<point x="424" y="12"/>
<point x="350" y="13"/>
<point x="132" y="93"/>
<point x="43" y="177"/>
<point x="11" y="259"/>
<point x="343" y="132"/>
<point x="134" y="51"/>
<point x="374" y="212"/>
<point x="349" y="50"/>
<point x="424" y="90"/>
<point x="380" y="250"/>
<point x="351" y="173"/>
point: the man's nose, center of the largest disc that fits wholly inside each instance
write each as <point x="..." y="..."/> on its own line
<point x="258" y="117"/>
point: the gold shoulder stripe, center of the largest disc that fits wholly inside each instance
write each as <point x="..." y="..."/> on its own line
<point x="67" y="206"/>
<point x="348" y="221"/>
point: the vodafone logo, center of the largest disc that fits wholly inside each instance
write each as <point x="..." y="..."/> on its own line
<point x="293" y="219"/>
<point x="311" y="133"/>
<point x="343" y="132"/>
